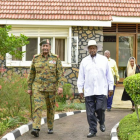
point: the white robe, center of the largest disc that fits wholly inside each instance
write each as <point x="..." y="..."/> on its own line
<point x="95" y="76"/>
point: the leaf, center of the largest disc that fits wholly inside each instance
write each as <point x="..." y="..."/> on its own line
<point x="11" y="43"/>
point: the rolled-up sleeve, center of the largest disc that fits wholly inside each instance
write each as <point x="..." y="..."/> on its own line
<point x="81" y="79"/>
<point x="109" y="76"/>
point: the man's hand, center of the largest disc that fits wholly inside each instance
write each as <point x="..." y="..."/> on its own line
<point x="117" y="82"/>
<point x="30" y="92"/>
<point x="60" y="91"/>
<point x="110" y="93"/>
<point x="81" y="95"/>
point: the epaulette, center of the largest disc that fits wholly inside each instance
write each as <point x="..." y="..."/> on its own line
<point x="36" y="55"/>
<point x="55" y="55"/>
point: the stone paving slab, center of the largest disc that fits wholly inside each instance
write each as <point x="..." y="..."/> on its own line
<point x="76" y="127"/>
<point x="117" y="103"/>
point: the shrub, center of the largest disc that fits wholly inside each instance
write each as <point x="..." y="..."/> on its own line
<point x="13" y="95"/>
<point x="11" y="43"/>
<point x="10" y="122"/>
<point x="3" y="128"/>
<point x="129" y="128"/>
<point x="14" y="102"/>
<point x="132" y="87"/>
<point x="67" y="94"/>
<point x="75" y="106"/>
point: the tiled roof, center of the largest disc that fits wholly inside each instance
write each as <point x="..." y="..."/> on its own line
<point x="68" y="9"/>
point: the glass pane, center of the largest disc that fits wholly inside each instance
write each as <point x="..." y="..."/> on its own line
<point x="109" y="43"/>
<point x="17" y="59"/>
<point x="31" y="49"/>
<point x="138" y="52"/>
<point x="74" y="50"/>
<point x="60" y="48"/>
<point x="125" y="52"/>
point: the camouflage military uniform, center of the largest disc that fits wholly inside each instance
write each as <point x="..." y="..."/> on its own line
<point x="44" y="78"/>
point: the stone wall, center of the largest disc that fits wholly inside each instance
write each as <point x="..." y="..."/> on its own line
<point x="6" y="71"/>
<point x="84" y="35"/>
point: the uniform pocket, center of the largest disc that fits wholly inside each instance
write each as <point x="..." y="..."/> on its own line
<point x="38" y="68"/>
<point x="52" y="66"/>
<point x="52" y="69"/>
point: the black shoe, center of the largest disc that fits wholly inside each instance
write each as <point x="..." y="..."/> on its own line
<point x="102" y="128"/>
<point x="133" y="109"/>
<point x="50" y="131"/>
<point x="35" y="132"/>
<point x="91" y="135"/>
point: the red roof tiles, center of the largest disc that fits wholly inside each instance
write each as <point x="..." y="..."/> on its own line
<point x="68" y="9"/>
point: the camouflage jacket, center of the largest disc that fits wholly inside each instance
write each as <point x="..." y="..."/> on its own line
<point x="45" y="74"/>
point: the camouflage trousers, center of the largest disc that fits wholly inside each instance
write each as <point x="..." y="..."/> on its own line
<point x="40" y="98"/>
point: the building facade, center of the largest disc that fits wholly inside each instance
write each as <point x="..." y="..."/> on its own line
<point x="70" y="24"/>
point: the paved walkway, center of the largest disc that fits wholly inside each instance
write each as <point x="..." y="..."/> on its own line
<point x="76" y="128"/>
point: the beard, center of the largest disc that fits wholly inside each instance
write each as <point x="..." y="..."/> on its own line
<point x="45" y="50"/>
<point x="92" y="54"/>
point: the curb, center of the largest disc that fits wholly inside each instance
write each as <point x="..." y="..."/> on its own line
<point x="27" y="127"/>
<point x="113" y="133"/>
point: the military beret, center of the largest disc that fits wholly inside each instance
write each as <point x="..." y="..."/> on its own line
<point x="45" y="41"/>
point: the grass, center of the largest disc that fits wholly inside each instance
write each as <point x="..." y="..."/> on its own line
<point x="129" y="128"/>
<point x="11" y="122"/>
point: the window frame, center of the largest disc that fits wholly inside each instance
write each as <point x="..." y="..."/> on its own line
<point x="24" y="63"/>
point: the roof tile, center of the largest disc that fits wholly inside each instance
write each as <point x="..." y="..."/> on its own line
<point x="68" y="9"/>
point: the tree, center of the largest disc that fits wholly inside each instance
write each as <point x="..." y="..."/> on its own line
<point x="11" y="43"/>
<point x="132" y="87"/>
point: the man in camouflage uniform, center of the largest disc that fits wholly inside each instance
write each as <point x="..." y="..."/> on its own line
<point x="44" y="79"/>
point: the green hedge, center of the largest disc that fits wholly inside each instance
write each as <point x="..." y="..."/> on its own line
<point x="129" y="128"/>
<point x="132" y="87"/>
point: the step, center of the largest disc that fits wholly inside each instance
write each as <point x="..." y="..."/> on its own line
<point x="117" y="103"/>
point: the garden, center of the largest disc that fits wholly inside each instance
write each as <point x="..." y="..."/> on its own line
<point x="15" y="102"/>
<point x="129" y="126"/>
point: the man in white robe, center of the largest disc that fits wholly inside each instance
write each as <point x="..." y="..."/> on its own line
<point x="95" y="77"/>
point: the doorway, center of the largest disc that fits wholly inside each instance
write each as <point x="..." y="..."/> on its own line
<point x="125" y="49"/>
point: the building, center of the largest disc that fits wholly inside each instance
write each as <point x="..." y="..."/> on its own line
<point x="115" y="24"/>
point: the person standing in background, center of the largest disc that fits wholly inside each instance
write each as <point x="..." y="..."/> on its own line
<point x="114" y="70"/>
<point x="131" y="69"/>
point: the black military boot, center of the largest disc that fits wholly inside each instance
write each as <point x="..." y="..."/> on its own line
<point x="35" y="132"/>
<point x="50" y="131"/>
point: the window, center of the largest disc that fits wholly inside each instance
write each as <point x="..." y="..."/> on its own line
<point x="109" y="43"/>
<point x="61" y="44"/>
<point x="60" y="48"/>
<point x="31" y="48"/>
